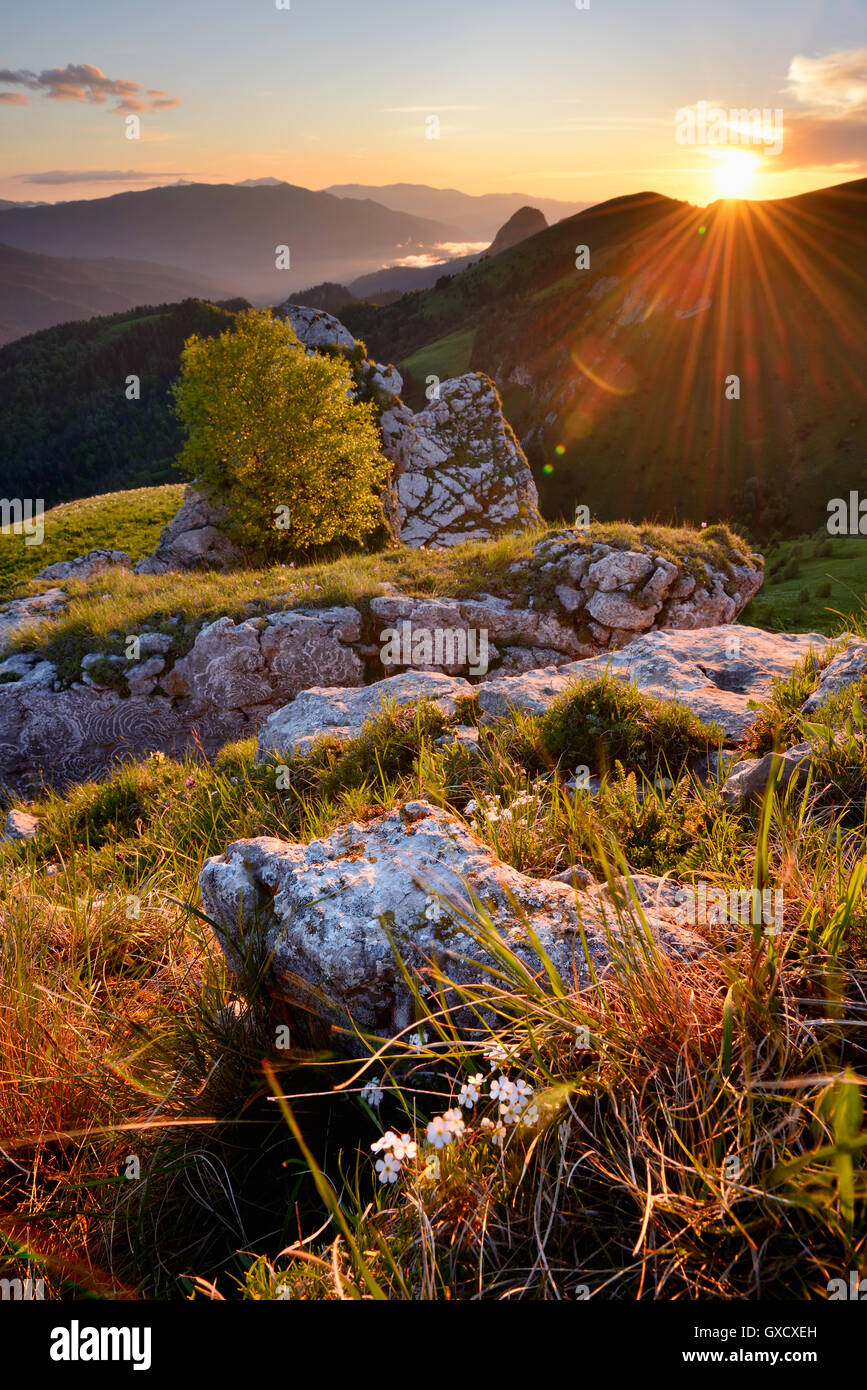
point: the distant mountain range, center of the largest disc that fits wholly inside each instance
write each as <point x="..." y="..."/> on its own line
<point x="39" y="291"/>
<point x="615" y="375"/>
<point x="478" y="216"/>
<point x="229" y="233"/>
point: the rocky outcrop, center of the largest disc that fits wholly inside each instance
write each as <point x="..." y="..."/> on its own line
<point x="525" y="222"/>
<point x="337" y="916"/>
<point x="342" y="713"/>
<point x="23" y="613"/>
<point x="719" y="673"/>
<point x="192" y="540"/>
<point x="459" y="472"/>
<point x="238" y="673"/>
<point x="85" y="566"/>
<point x="235" y="676"/>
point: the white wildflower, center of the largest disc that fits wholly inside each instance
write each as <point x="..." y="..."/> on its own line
<point x="432" y="909"/>
<point x="439" y="1132"/>
<point x="497" y="1131"/>
<point x="371" y="1091"/>
<point x="470" y="1091"/>
<point x="388" y="1168"/>
<point x="455" y="1121"/>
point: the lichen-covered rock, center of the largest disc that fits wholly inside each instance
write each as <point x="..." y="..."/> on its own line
<point x="235" y="666"/>
<point x="192" y="540"/>
<point x="844" y="669"/>
<point x="329" y="912"/>
<point x="23" y="613"/>
<point x="315" y="329"/>
<point x="85" y="566"/>
<point x="717" y="672"/>
<point x="459" y="472"/>
<point x="342" y="713"/>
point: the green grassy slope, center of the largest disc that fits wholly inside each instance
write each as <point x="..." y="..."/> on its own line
<point x="811" y="584"/>
<point x="129" y="521"/>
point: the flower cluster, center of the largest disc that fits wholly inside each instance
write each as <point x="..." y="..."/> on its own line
<point x="395" y="1148"/>
<point x="488" y="808"/>
<point x="516" y="1105"/>
<point x="444" y="1128"/>
<point x="516" y="1101"/>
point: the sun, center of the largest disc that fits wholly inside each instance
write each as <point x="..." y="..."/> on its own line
<point x="735" y="174"/>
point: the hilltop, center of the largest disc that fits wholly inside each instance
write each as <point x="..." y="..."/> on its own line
<point x="594" y="364"/>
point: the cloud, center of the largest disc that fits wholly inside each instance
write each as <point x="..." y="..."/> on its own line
<point x="83" y="82"/>
<point x="56" y="176"/>
<point x="838" y="81"/>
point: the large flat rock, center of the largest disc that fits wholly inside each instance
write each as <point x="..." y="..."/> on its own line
<point x="716" y="672"/>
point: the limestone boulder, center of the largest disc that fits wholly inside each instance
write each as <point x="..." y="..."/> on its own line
<point x="342" y="713"/>
<point x="315" y="329"/>
<point x="337" y="916"/>
<point x="193" y="539"/>
<point x="85" y="566"/>
<point x="459" y="472"/>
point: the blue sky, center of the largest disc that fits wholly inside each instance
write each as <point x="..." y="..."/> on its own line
<point x="533" y="95"/>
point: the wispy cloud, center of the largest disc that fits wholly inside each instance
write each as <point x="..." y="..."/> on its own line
<point x="57" y="176"/>
<point x="83" y="82"/>
<point x="837" y="82"/>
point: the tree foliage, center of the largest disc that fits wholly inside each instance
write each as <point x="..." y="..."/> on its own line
<point x="275" y="435"/>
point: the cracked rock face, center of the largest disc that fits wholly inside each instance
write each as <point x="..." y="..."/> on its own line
<point x="459" y="472"/>
<point x="326" y="910"/>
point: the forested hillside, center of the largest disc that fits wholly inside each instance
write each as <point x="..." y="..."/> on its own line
<point x="69" y="428"/>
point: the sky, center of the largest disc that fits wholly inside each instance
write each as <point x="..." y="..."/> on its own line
<point x="534" y="96"/>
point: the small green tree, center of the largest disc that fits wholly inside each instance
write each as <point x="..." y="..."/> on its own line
<point x="275" y="436"/>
